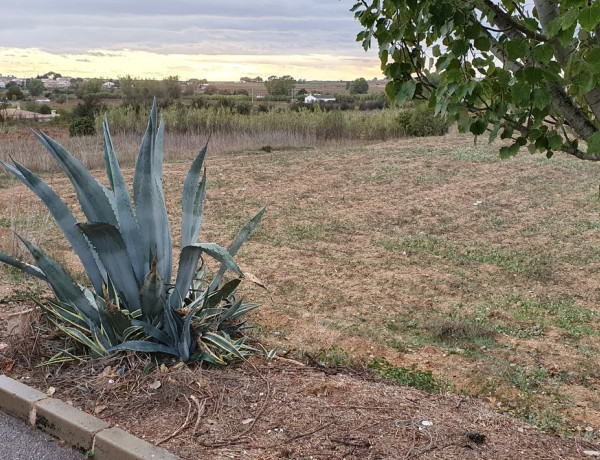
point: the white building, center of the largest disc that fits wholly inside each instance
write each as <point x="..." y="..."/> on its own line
<point x="310" y="99"/>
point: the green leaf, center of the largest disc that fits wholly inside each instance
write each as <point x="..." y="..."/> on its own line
<point x="521" y="93"/>
<point x="401" y="91"/>
<point x="589" y="17"/>
<point x="482" y="43"/>
<point x="541" y="98"/>
<point x="517" y="49"/>
<point x="479" y="126"/>
<point x="543" y="53"/>
<point x="459" y="47"/>
<point x="594" y="143"/>
<point x="593" y="59"/>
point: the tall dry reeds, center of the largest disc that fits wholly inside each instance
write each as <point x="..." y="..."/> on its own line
<point x="188" y="128"/>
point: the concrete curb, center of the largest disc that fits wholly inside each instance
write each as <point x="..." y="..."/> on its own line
<point x="83" y="431"/>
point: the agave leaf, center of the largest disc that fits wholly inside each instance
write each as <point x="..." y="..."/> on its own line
<point x="96" y="348"/>
<point x="97" y="203"/>
<point x="124" y="210"/>
<point x="173" y="324"/>
<point x="209" y="357"/>
<point x="23" y="266"/>
<point x="186" y="343"/>
<point x="235" y="246"/>
<point x="112" y="252"/>
<point x="220" y="254"/>
<point x="62" y="284"/>
<point x="100" y="338"/>
<point x="223" y="343"/>
<point x="232" y="311"/>
<point x="65" y="220"/>
<point x="63" y="312"/>
<point x="222" y="294"/>
<point x="244" y="310"/>
<point x="188" y="261"/>
<point x="193" y="201"/>
<point x="118" y="321"/>
<point x="159" y="143"/>
<point x="151" y="211"/>
<point x="152" y="295"/>
<point x="144" y="347"/>
<point x="154" y="332"/>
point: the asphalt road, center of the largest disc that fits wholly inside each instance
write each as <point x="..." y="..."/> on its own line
<point x="21" y="442"/>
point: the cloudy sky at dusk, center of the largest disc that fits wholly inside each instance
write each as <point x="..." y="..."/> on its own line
<point x="223" y="40"/>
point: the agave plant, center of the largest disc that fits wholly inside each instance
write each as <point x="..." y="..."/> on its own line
<point x="126" y="251"/>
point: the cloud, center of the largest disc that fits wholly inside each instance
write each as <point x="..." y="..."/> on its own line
<point x="184" y="27"/>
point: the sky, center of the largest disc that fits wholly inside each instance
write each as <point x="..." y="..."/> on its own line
<point x="217" y="40"/>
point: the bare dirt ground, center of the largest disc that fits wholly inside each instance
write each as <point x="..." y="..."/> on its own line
<point x="427" y="252"/>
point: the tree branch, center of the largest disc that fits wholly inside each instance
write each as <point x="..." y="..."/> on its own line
<point x="513" y="23"/>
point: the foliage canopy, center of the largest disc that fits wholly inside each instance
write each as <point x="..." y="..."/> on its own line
<point x="280" y="86"/>
<point x="526" y="72"/>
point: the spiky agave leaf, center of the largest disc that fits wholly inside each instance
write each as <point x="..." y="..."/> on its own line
<point x="193" y="201"/>
<point x="240" y="238"/>
<point x="62" y="284"/>
<point x="150" y="207"/>
<point x="65" y="221"/>
<point x="109" y="245"/>
<point x="23" y="266"/>
<point x="188" y="261"/>
<point x="128" y="225"/>
<point x="96" y="201"/>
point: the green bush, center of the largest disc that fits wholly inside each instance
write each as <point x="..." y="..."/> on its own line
<point x="126" y="250"/>
<point x="82" y="126"/>
<point x="421" y="121"/>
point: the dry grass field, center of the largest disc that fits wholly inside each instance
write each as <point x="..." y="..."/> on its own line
<point x="428" y="252"/>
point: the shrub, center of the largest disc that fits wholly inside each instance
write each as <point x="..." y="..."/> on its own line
<point x="82" y="126"/>
<point x="421" y="121"/>
<point x="126" y="251"/>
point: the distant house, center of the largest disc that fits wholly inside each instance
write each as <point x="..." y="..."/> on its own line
<point x="2" y="85"/>
<point x="108" y="85"/>
<point x="44" y="100"/>
<point x="310" y="99"/>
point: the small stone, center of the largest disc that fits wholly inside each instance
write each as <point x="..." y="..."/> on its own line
<point x="592" y="453"/>
<point x="426" y="423"/>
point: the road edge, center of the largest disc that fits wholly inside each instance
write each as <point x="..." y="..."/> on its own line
<point x="84" y="432"/>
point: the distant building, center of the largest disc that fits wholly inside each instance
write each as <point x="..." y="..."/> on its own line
<point x="108" y="85"/>
<point x="19" y="114"/>
<point x="2" y="85"/>
<point x="60" y="82"/>
<point x="43" y="100"/>
<point x="310" y="99"/>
